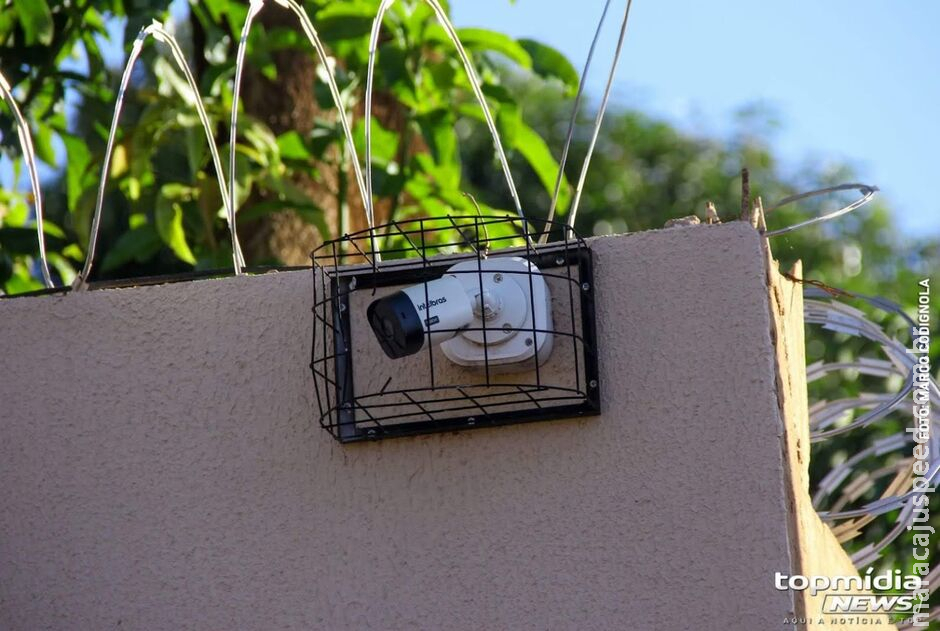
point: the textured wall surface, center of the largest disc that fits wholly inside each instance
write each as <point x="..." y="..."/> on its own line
<point x="161" y="468"/>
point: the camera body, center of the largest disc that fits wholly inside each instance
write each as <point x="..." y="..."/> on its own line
<point x="490" y="313"/>
<point x="428" y="313"/>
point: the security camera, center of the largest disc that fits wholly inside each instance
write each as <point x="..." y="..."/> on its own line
<point x="431" y="312"/>
<point x="491" y="312"/>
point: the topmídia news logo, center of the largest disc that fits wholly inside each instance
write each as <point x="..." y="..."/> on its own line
<point x="851" y="595"/>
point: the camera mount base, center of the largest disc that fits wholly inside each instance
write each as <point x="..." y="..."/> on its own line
<point x="512" y="312"/>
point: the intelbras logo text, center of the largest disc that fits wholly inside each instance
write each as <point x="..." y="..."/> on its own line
<point x="432" y="303"/>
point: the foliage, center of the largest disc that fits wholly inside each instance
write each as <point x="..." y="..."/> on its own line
<point x="163" y="208"/>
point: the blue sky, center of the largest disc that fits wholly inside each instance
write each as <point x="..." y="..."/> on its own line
<point x="852" y="81"/>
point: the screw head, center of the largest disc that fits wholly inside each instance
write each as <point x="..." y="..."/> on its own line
<point x="342" y="307"/>
<point x="528" y="341"/>
<point x="497" y="277"/>
<point x="507" y="328"/>
<point x="471" y="421"/>
<point x="586" y="286"/>
<point x="559" y="260"/>
<point x="592" y="383"/>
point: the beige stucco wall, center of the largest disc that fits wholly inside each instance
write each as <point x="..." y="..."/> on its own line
<point x="161" y="468"/>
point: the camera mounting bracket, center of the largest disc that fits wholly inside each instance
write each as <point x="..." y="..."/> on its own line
<point x="512" y="315"/>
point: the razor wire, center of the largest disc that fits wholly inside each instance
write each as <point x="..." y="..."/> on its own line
<point x="29" y="155"/>
<point x="311" y="32"/>
<point x="599" y="118"/>
<point x="475" y="83"/>
<point x="569" y="136"/>
<point x="867" y="191"/>
<point x="154" y="29"/>
<point x="849" y="481"/>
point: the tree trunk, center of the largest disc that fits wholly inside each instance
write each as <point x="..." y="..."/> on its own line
<point x="289" y="104"/>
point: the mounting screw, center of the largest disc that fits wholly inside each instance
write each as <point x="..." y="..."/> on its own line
<point x="507" y="328"/>
<point x="528" y="341"/>
<point x="342" y="307"/>
<point x="592" y="383"/>
<point x="471" y="421"/>
<point x="586" y="286"/>
<point x="559" y="260"/>
<point x="370" y="433"/>
<point x="497" y="277"/>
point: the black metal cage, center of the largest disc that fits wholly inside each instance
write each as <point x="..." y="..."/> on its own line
<point x="363" y="395"/>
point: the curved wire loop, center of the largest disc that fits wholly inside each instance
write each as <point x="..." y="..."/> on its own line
<point x="477" y="92"/>
<point x="314" y="38"/>
<point x="599" y="118"/>
<point x="155" y="30"/>
<point x="254" y="7"/>
<point x="29" y="155"/>
<point x="867" y="193"/>
<point x="848" y="475"/>
<point x="572" y="121"/>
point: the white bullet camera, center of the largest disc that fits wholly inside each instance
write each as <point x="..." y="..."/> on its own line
<point x="492" y="312"/>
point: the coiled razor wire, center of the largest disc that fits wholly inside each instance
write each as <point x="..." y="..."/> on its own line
<point x="310" y="31"/>
<point x="155" y="30"/>
<point x="475" y="85"/>
<point x="29" y="156"/>
<point x="866" y="190"/>
<point x="846" y="482"/>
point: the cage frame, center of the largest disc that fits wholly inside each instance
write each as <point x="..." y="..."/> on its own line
<point x="339" y="415"/>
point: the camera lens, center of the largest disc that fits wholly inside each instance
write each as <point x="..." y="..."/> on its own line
<point x="396" y="325"/>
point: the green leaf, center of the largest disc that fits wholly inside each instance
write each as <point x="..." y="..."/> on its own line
<point x="483" y="40"/>
<point x="63" y="266"/>
<point x="548" y="62"/>
<point x="44" y="149"/>
<point x="36" y="20"/>
<point x="8" y="21"/>
<point x="437" y="82"/>
<point x="384" y="142"/>
<point x="75" y="168"/>
<point x="508" y="122"/>
<point x="139" y="244"/>
<point x="130" y="186"/>
<point x="216" y="8"/>
<point x="52" y="229"/>
<point x="342" y="20"/>
<point x="169" y="219"/>
<point x="95" y="21"/>
<point x="291" y="146"/>
<point x="284" y="39"/>
<point x="235" y="14"/>
<point x="260" y="137"/>
<point x="22" y="280"/>
<point x="498" y="93"/>
<point x="437" y="128"/>
<point x="537" y="154"/>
